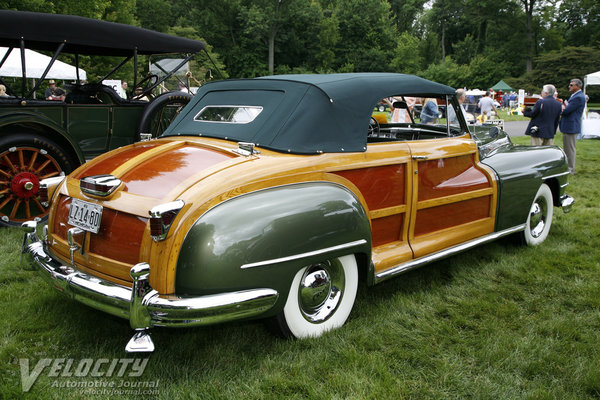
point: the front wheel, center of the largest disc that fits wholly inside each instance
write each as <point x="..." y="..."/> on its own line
<point x="539" y="219"/>
<point x="320" y="299"/>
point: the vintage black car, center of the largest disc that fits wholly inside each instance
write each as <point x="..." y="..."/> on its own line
<point x="42" y="138"/>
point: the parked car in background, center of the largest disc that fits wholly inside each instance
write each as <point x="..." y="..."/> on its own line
<point x="274" y="197"/>
<point x="42" y="138"/>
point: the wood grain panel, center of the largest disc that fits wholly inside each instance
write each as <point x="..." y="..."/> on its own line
<point x="119" y="237"/>
<point x="437" y="218"/>
<point x="387" y="229"/>
<point x="106" y="164"/>
<point x="381" y="187"/>
<point x="159" y="175"/>
<point x="449" y="176"/>
<point x="61" y="217"/>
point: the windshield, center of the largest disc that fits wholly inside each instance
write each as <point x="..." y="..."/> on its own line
<point x="437" y="114"/>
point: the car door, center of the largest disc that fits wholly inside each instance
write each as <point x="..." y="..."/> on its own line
<point x="453" y="195"/>
<point x="383" y="175"/>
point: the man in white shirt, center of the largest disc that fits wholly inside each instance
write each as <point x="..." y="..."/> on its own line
<point x="486" y="103"/>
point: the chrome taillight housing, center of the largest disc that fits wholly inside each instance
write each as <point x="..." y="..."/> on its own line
<point x="99" y="185"/>
<point x="48" y="187"/>
<point x="161" y="218"/>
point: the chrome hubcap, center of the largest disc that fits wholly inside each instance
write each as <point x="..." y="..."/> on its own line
<point x="537" y="217"/>
<point x="321" y="290"/>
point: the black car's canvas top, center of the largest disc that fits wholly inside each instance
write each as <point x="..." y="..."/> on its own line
<point x="81" y="35"/>
<point x="304" y="114"/>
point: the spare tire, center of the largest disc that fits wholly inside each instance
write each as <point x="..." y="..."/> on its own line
<point x="161" y="111"/>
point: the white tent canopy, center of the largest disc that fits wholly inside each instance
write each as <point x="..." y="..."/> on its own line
<point x="592" y="79"/>
<point x="35" y="65"/>
<point x="590" y="127"/>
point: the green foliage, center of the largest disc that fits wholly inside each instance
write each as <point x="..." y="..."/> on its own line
<point x="156" y="15"/>
<point x="558" y="68"/>
<point x="253" y="37"/>
<point x="465" y="50"/>
<point x="478" y="74"/>
<point x="368" y="35"/>
<point x="407" y="59"/>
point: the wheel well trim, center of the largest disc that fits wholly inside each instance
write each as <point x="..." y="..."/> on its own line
<point x="36" y="125"/>
<point x="324" y="251"/>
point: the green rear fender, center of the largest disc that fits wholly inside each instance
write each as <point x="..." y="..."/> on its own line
<point x="261" y="239"/>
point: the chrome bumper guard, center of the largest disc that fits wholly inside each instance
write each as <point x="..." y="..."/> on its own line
<point x="566" y="202"/>
<point x="143" y="306"/>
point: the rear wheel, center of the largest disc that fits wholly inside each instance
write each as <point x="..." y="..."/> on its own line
<point x="24" y="161"/>
<point x="539" y="219"/>
<point x="320" y="299"/>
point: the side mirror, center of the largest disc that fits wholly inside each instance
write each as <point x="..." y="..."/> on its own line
<point x="494" y="132"/>
<point x="400" y="104"/>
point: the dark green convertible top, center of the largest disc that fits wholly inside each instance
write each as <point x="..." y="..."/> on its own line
<point x="304" y="114"/>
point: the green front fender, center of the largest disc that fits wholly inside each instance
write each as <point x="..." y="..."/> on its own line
<point x="521" y="170"/>
<point x="261" y="239"/>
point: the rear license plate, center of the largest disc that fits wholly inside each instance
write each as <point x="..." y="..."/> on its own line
<point x="85" y="215"/>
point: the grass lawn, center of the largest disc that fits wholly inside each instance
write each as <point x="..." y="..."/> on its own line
<point x="500" y="321"/>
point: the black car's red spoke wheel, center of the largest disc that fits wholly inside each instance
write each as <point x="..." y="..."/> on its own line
<point x="24" y="162"/>
<point x="21" y="169"/>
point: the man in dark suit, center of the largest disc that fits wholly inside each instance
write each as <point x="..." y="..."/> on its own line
<point x="544" y="118"/>
<point x="570" y="123"/>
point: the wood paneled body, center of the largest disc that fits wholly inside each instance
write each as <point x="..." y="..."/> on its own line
<point x="420" y="197"/>
<point x="435" y="196"/>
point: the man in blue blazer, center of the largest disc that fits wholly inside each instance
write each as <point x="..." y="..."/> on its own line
<point x="544" y="118"/>
<point x="570" y="123"/>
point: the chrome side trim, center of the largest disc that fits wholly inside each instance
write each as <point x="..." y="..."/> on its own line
<point x="419" y="262"/>
<point x="556" y="175"/>
<point x="303" y="255"/>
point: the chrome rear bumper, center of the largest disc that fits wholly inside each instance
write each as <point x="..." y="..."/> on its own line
<point x="143" y="306"/>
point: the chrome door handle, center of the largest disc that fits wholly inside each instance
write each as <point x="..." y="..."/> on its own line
<point x="419" y="157"/>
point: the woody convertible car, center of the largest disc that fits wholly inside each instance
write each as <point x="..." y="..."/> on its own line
<point x="274" y="196"/>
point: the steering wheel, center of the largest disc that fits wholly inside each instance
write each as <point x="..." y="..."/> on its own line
<point x="146" y="84"/>
<point x="373" y="127"/>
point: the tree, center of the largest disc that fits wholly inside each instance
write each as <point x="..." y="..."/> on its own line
<point x="263" y="19"/>
<point x="367" y="34"/>
<point x="406" y="56"/>
<point x="154" y="14"/>
<point x="406" y="14"/>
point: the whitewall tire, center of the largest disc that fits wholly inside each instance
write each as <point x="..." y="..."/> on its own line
<point x="539" y="219"/>
<point x="320" y="299"/>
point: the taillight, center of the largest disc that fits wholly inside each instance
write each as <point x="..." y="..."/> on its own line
<point x="99" y="185"/>
<point x="161" y="218"/>
<point x="47" y="188"/>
